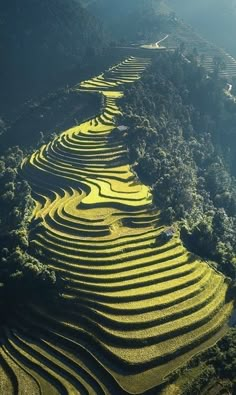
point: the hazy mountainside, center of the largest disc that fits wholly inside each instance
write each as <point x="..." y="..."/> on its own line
<point x="39" y="41"/>
<point x="138" y="17"/>
<point x="213" y="18"/>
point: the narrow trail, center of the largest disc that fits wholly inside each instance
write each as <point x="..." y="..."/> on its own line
<point x="160" y="41"/>
<point x="155" y="45"/>
<point x="228" y="92"/>
<point x="135" y="307"/>
<point x="230" y="87"/>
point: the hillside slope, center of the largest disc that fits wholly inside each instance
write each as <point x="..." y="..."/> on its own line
<point x="135" y="306"/>
<point x="39" y="42"/>
<point x="213" y="18"/>
<point x="139" y="19"/>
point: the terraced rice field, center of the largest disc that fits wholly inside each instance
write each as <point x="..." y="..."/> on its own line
<point x="134" y="310"/>
<point x="207" y="51"/>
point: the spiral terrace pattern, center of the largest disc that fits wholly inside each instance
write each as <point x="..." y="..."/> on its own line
<point x="133" y="310"/>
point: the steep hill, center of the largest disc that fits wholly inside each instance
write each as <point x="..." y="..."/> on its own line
<point x="139" y="18"/>
<point x="135" y="306"/>
<point x="39" y="42"/>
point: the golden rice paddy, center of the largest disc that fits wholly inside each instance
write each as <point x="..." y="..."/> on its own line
<point x="133" y="310"/>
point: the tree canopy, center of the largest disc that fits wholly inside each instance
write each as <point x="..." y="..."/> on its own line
<point x="21" y="275"/>
<point x="181" y="141"/>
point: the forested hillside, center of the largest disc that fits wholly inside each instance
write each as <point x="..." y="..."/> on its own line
<point x="140" y="20"/>
<point x="181" y="139"/>
<point x="182" y="143"/>
<point x="39" y="41"/>
<point x="22" y="276"/>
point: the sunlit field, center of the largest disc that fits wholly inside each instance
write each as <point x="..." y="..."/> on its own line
<point x="135" y="307"/>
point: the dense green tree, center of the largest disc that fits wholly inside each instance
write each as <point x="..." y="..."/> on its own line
<point x="180" y="138"/>
<point x="21" y="275"/>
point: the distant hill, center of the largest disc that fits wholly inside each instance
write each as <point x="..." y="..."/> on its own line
<point x="126" y="19"/>
<point x="216" y="19"/>
<point x="39" y="40"/>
